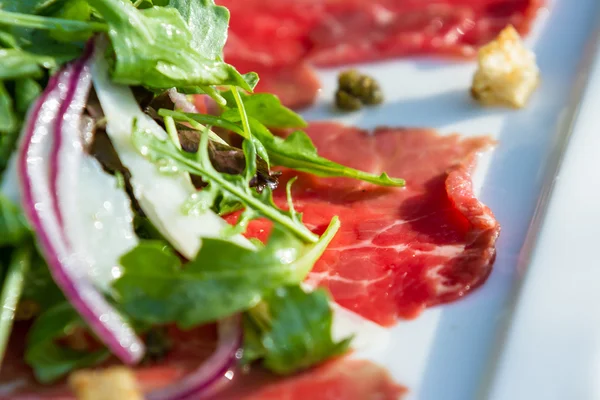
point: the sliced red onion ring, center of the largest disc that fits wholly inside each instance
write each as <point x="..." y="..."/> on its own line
<point x="214" y="373"/>
<point x="35" y="167"/>
<point x="101" y="229"/>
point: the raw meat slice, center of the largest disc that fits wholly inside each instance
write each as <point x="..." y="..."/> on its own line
<point x="334" y="32"/>
<point x="391" y="28"/>
<point x="398" y="250"/>
<point x="296" y="86"/>
<point x="343" y="379"/>
<point x="277" y="34"/>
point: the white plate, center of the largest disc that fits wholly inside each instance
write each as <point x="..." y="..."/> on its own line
<point x="520" y="336"/>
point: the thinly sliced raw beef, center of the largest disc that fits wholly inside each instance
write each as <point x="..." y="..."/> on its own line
<point x="334" y="32"/>
<point x="343" y="379"/>
<point x="398" y="250"/>
<point x="277" y="34"/>
<point x="296" y="85"/>
<point x="391" y="28"/>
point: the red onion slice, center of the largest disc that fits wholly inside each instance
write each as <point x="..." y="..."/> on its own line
<point x="214" y="373"/>
<point x="41" y="208"/>
<point x="101" y="230"/>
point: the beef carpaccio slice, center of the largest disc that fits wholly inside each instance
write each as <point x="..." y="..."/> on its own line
<point x="398" y="250"/>
<point x="296" y="86"/>
<point x="278" y="34"/>
<point x="342" y="379"/>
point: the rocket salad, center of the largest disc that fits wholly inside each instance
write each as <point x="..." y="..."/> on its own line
<point x="114" y="184"/>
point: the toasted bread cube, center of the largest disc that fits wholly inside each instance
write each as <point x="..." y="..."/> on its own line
<point x="507" y="72"/>
<point x="115" y="383"/>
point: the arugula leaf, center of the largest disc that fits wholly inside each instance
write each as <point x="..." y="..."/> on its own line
<point x="265" y="108"/>
<point x="14" y="231"/>
<point x="28" y="6"/>
<point x="13" y="226"/>
<point x="252" y="79"/>
<point x="207" y="23"/>
<point x="152" y="48"/>
<point x="236" y="187"/>
<point x="41" y="43"/>
<point x="11" y="293"/>
<point x="7" y="40"/>
<point x="141" y="4"/>
<point x="41" y="291"/>
<point x="294" y="328"/>
<point x="50" y="23"/>
<point x="33" y="36"/>
<point x="49" y="360"/>
<point x="73" y="10"/>
<point x="16" y="63"/>
<point x="253" y="348"/>
<point x="8" y="142"/>
<point x="298" y="152"/>
<point x="26" y="91"/>
<point x="223" y="279"/>
<point x="8" y="119"/>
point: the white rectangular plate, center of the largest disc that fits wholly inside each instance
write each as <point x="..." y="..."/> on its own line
<point x="532" y="331"/>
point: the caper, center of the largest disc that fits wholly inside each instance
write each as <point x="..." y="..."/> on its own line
<point x="345" y="101"/>
<point x="356" y="89"/>
<point x="375" y="96"/>
<point x="367" y="90"/>
<point x="347" y="79"/>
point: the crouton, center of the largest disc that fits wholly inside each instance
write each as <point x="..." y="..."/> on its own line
<point x="115" y="383"/>
<point x="507" y="72"/>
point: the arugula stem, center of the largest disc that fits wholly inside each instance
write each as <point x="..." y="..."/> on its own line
<point x="174" y="136"/>
<point x="306" y="262"/>
<point x="195" y="121"/>
<point x="11" y="293"/>
<point x="215" y="95"/>
<point x="288" y="195"/>
<point x="172" y="131"/>
<point x="242" y="110"/>
<point x="50" y="23"/>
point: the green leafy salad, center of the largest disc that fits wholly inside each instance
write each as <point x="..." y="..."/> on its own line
<point x="114" y="183"/>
